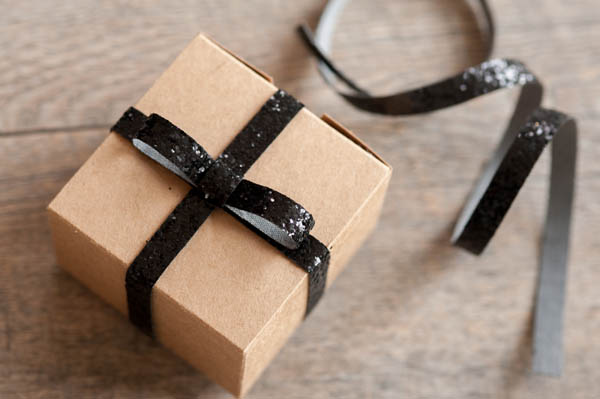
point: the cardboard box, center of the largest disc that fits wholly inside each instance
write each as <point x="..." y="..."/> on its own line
<point x="228" y="301"/>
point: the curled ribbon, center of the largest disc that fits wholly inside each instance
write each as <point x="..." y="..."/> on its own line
<point x="219" y="183"/>
<point x="530" y="129"/>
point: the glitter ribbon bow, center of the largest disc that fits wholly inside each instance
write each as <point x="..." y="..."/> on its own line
<point x="219" y="183"/>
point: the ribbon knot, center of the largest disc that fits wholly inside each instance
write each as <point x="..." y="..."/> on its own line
<point x="219" y="183"/>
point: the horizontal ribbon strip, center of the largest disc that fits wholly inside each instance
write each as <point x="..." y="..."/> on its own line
<point x="530" y="129"/>
<point x="215" y="183"/>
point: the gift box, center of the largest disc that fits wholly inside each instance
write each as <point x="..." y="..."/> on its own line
<point x="227" y="295"/>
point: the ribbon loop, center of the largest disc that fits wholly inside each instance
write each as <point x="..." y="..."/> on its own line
<point x="171" y="147"/>
<point x="275" y="215"/>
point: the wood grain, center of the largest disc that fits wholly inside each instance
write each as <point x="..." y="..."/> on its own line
<point x="411" y="317"/>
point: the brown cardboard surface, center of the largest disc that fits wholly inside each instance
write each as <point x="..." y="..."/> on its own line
<point x="228" y="301"/>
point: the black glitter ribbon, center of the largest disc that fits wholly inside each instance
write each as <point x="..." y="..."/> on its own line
<point x="219" y="183"/>
<point x="530" y="129"/>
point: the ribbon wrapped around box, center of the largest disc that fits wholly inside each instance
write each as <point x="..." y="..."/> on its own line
<point x="217" y="211"/>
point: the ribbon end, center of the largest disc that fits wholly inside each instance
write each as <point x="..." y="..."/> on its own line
<point x="547" y="367"/>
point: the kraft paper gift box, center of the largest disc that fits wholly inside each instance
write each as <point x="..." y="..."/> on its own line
<point x="229" y="300"/>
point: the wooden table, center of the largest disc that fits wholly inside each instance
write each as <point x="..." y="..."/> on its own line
<point x="411" y="317"/>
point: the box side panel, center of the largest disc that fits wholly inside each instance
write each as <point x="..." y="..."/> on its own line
<point x="197" y="343"/>
<point x="267" y="344"/>
<point x="93" y="266"/>
<point x="271" y="339"/>
<point x="357" y="230"/>
<point x="175" y="327"/>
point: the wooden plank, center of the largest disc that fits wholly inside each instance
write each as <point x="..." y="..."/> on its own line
<point x="80" y="64"/>
<point x="411" y="316"/>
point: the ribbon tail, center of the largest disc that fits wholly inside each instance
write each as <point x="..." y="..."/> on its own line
<point x="552" y="279"/>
